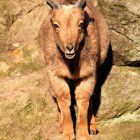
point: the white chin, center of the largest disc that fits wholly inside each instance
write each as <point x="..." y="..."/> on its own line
<point x="69" y="56"/>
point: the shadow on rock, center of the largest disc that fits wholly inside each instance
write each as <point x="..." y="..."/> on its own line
<point x="103" y="72"/>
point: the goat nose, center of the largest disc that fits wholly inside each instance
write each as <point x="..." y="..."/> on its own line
<point x="69" y="47"/>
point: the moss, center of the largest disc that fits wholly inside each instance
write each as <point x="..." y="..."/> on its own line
<point x="27" y="117"/>
<point x="3" y="75"/>
<point x="32" y="114"/>
<point x="22" y="68"/>
<point x="38" y="136"/>
<point x="5" y="130"/>
<point x="28" y="65"/>
<point x="25" y="68"/>
<point x="126" y="117"/>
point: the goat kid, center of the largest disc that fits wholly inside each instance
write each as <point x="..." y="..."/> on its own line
<point x="74" y="38"/>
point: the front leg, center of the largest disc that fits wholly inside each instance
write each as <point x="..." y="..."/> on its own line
<point x="84" y="90"/>
<point x="61" y="92"/>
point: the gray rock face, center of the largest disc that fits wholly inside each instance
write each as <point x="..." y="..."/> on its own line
<point x="118" y="114"/>
<point x="120" y="93"/>
<point x="123" y="18"/>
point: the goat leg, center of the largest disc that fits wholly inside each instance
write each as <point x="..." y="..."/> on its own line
<point x="84" y="90"/>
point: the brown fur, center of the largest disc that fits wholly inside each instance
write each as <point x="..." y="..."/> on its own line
<point x="91" y="51"/>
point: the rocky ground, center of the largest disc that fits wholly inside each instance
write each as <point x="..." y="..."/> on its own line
<point x="27" y="111"/>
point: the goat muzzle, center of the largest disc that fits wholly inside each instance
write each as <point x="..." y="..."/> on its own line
<point x="70" y="51"/>
<point x="69" y="55"/>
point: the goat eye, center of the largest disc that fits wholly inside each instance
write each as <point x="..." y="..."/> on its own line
<point x="55" y="26"/>
<point x="81" y="25"/>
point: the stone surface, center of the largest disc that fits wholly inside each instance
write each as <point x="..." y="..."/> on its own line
<point x="120" y="94"/>
<point x="28" y="17"/>
<point x="27" y="110"/>
<point x="119" y="111"/>
<point x="18" y="37"/>
<point x="123" y="18"/>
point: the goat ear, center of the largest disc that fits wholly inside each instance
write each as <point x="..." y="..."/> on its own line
<point x="81" y="4"/>
<point x="53" y="4"/>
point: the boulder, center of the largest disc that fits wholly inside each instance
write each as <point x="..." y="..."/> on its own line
<point x="118" y="114"/>
<point x="18" y="43"/>
<point x="28" y="17"/>
<point x="28" y="111"/>
<point x="123" y="18"/>
<point x="120" y="92"/>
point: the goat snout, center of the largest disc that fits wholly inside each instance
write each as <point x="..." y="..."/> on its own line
<point x="69" y="47"/>
<point x="70" y="51"/>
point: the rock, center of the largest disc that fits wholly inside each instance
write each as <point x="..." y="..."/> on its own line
<point x="119" y="130"/>
<point x="20" y="61"/>
<point x="2" y="25"/>
<point x="28" y="20"/>
<point x="124" y="22"/>
<point x="133" y="6"/>
<point x="119" y="110"/>
<point x="120" y="93"/>
<point x="18" y="44"/>
<point x="28" y="111"/>
<point x="4" y="67"/>
<point x="26" y="108"/>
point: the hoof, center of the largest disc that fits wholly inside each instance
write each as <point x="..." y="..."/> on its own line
<point x="60" y="130"/>
<point x="69" y="137"/>
<point x="93" y="129"/>
<point x="83" y="137"/>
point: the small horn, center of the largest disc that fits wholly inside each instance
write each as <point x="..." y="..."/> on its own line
<point x="80" y="3"/>
<point x="53" y="4"/>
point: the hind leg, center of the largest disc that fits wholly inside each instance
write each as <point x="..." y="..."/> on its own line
<point x="93" y="126"/>
<point x="92" y="119"/>
<point x="60" y="119"/>
<point x="60" y="122"/>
